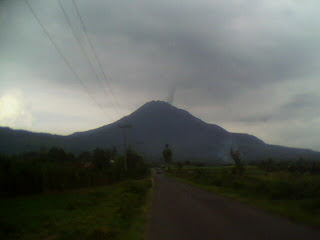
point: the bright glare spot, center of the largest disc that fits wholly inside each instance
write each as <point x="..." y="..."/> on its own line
<point x="13" y="112"/>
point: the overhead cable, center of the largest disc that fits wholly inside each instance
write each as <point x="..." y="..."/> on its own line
<point x="63" y="57"/>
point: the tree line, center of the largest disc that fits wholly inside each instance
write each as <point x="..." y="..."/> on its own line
<point x="58" y="170"/>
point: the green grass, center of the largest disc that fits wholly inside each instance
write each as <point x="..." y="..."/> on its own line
<point x="109" y="212"/>
<point x="296" y="197"/>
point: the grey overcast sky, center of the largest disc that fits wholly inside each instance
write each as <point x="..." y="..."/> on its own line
<point x="246" y="65"/>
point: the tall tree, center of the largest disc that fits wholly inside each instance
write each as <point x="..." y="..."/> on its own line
<point x="167" y="154"/>
<point x="238" y="166"/>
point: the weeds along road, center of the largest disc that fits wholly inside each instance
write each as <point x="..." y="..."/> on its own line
<point x="183" y="212"/>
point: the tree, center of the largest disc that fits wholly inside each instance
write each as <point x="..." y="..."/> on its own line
<point x="85" y="157"/>
<point x="57" y="154"/>
<point x="187" y="163"/>
<point x="238" y="166"/>
<point x="179" y="165"/>
<point x="114" y="152"/>
<point x="167" y="154"/>
<point x="101" y="158"/>
<point x="134" y="159"/>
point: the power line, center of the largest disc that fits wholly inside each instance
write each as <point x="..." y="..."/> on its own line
<point x="93" y="50"/>
<point x="62" y="56"/>
<point x="81" y="47"/>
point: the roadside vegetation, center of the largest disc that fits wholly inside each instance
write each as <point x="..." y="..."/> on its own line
<point x="288" y="188"/>
<point x="108" y="212"/>
<point x="56" y="170"/>
<point x="56" y="195"/>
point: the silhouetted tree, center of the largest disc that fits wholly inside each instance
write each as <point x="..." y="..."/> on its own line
<point x="238" y="166"/>
<point x="134" y="159"/>
<point x="57" y="154"/>
<point x="114" y="152"/>
<point x="101" y="158"/>
<point x="85" y="157"/>
<point x="179" y="165"/>
<point x="167" y="154"/>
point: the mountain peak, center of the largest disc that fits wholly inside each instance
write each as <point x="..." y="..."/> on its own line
<point x="157" y="110"/>
<point x="156" y="104"/>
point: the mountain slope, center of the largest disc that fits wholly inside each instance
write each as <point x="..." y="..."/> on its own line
<point x="17" y="141"/>
<point x="155" y="124"/>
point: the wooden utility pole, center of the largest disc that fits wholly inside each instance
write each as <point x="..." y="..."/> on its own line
<point x="125" y="127"/>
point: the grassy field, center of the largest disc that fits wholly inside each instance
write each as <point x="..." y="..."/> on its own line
<point x="296" y="196"/>
<point x="109" y="212"/>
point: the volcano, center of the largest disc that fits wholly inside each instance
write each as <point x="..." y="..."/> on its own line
<point x="154" y="125"/>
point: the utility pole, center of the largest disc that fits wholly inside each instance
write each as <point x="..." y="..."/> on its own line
<point x="125" y="127"/>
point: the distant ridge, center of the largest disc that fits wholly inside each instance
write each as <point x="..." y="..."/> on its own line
<point x="155" y="124"/>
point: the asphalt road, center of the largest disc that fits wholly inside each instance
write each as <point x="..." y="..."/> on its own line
<point x="182" y="212"/>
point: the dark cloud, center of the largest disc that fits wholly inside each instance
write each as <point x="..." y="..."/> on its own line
<point x="303" y="106"/>
<point x="207" y="48"/>
<point x="254" y="119"/>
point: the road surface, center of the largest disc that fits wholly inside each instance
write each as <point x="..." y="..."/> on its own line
<point x="183" y="212"/>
